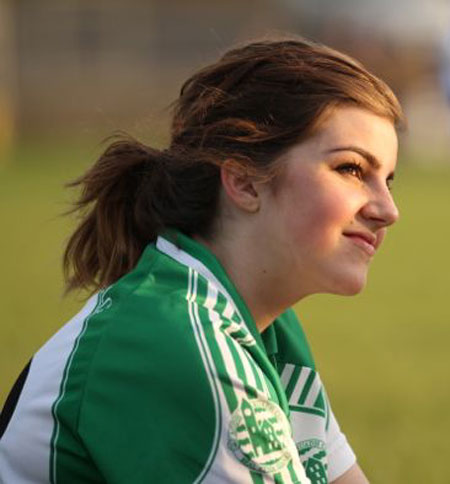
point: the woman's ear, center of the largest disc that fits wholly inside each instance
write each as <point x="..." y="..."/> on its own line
<point x="240" y="187"/>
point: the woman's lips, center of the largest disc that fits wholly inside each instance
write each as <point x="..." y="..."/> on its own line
<point x="366" y="241"/>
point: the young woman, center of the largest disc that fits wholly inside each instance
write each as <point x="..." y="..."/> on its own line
<point x="187" y="364"/>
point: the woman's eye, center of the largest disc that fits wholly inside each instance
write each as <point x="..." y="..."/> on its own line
<point x="353" y="169"/>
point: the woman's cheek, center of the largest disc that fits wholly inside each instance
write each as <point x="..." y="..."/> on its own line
<point x="330" y="218"/>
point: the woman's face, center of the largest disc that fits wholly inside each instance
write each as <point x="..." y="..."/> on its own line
<point x="327" y="214"/>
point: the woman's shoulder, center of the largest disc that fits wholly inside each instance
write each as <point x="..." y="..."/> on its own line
<point x="142" y="328"/>
<point x="131" y="335"/>
<point x="134" y="383"/>
<point x="150" y="302"/>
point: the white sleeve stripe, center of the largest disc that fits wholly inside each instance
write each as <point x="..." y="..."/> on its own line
<point x="313" y="392"/>
<point x="304" y="374"/>
<point x="286" y="374"/>
<point x="206" y="358"/>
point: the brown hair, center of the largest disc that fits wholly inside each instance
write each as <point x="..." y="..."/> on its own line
<point x="249" y="107"/>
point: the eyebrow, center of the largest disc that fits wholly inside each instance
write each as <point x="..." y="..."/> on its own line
<point x="373" y="162"/>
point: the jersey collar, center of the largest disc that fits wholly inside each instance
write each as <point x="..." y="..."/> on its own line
<point x="195" y="255"/>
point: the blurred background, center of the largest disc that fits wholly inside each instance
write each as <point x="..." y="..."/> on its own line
<point x="74" y="71"/>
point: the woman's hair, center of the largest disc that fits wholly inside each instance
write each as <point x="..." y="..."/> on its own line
<point x="247" y="108"/>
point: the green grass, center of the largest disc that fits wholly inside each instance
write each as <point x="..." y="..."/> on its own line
<point x="383" y="354"/>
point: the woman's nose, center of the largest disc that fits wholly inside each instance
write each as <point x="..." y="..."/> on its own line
<point x="382" y="208"/>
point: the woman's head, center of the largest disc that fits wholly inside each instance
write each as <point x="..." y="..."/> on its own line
<point x="245" y="110"/>
<point x="318" y="231"/>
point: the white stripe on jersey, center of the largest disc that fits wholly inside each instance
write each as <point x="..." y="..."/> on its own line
<point x="304" y="373"/>
<point x="229" y="310"/>
<point x="217" y="321"/>
<point x="313" y="391"/>
<point x="286" y="374"/>
<point x="25" y="446"/>
<point x="186" y="259"/>
<point x="250" y="367"/>
<point x="222" y="467"/>
<point x="211" y="298"/>
<point x="209" y="369"/>
<point x="262" y="378"/>
<point x="286" y="477"/>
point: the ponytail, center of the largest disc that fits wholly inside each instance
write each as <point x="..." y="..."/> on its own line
<point x="128" y="197"/>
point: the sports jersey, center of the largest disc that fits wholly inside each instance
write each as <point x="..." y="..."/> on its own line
<point x="323" y="448"/>
<point x="163" y="377"/>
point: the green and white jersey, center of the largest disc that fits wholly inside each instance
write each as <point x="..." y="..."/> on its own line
<point x="323" y="448"/>
<point x="163" y="377"/>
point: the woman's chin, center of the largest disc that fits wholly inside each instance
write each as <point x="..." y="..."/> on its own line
<point x="351" y="285"/>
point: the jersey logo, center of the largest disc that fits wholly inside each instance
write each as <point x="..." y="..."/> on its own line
<point x="314" y="459"/>
<point x="103" y="302"/>
<point x="258" y="436"/>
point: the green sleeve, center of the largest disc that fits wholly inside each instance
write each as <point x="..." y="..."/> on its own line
<point x="147" y="413"/>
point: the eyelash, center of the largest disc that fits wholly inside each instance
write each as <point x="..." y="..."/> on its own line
<point x="351" y="168"/>
<point x="355" y="169"/>
<point x="389" y="182"/>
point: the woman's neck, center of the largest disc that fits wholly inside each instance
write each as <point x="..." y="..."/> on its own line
<point x="257" y="283"/>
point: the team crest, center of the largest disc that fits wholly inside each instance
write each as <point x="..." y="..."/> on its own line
<point x="258" y="436"/>
<point x="313" y="456"/>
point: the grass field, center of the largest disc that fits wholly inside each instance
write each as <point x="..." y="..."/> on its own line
<point x="383" y="355"/>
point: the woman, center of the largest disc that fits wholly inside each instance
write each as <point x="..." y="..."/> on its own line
<point x="188" y="364"/>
